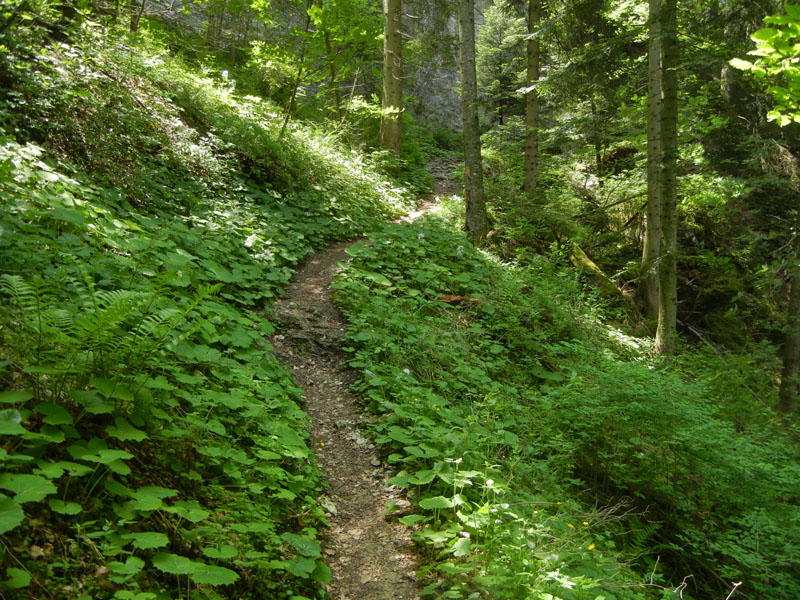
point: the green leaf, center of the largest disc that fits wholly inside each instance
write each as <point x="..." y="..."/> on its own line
<point x="112" y="389"/>
<point x="378" y="279"/>
<point x="322" y="573"/>
<point x="452" y="569"/>
<point x="793" y="11"/>
<point x="422" y="477"/>
<point x="305" y="546"/>
<point x="400" y="480"/>
<point x="107" y="456"/>
<point x="10" y="420"/>
<point x="54" y="414"/>
<point x="17" y="578"/>
<point x="92" y="402"/>
<point x="131" y="566"/>
<point x="14" y="397"/>
<point x="150" y="498"/>
<point x="125" y="431"/>
<point x="64" y="508"/>
<point x="147" y="539"/>
<point x="462" y="547"/>
<point x="11" y="514"/>
<point x="28" y="488"/>
<point x="115" y="487"/>
<point x="302" y="567"/>
<point x="70" y="215"/>
<point x="437" y="502"/>
<point x="213" y="575"/>
<point x="174" y="564"/>
<point x="119" y="467"/>
<point x="129" y="595"/>
<point x="189" y="510"/>
<point x="224" y="552"/>
<point x="738" y="63"/>
<point x="411" y="520"/>
<point x="764" y="34"/>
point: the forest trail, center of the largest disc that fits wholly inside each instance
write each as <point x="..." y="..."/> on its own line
<point x="371" y="558"/>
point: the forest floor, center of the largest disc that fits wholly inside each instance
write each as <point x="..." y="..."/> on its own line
<point x="370" y="557"/>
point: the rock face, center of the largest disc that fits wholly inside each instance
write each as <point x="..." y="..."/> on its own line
<point x="434" y="78"/>
<point x="430" y="52"/>
<point x="433" y="27"/>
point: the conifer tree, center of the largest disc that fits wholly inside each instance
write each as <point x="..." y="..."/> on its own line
<point x="392" y="104"/>
<point x="477" y="223"/>
<point x="667" y="268"/>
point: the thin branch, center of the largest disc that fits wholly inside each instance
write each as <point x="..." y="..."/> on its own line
<point x="735" y="587"/>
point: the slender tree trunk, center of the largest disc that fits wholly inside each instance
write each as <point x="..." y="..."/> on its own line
<point x="667" y="270"/>
<point x="335" y="93"/>
<point x="648" y="287"/>
<point x="391" y="121"/>
<point x="532" y="102"/>
<point x="299" y="77"/>
<point x="136" y="16"/>
<point x="790" y="384"/>
<point x="477" y="223"/>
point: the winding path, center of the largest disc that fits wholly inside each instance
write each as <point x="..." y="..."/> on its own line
<point x="371" y="558"/>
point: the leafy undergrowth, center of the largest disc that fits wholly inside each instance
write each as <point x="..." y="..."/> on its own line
<point x="152" y="446"/>
<point x="547" y="455"/>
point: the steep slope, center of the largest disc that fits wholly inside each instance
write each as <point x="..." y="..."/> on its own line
<point x="153" y="446"/>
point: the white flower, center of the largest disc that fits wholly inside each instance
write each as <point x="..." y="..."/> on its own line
<point x="407" y="371"/>
<point x="420" y="236"/>
<point x="225" y="74"/>
<point x="460" y="250"/>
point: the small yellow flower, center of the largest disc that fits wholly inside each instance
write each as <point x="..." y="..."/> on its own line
<point x="322" y="443"/>
<point x="558" y="502"/>
<point x="590" y="547"/>
<point x="586" y="522"/>
<point x="570" y="525"/>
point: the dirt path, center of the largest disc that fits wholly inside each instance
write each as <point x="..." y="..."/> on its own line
<point x="371" y="559"/>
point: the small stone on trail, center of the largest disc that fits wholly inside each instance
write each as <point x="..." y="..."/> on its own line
<point x="375" y="462"/>
<point x="328" y="505"/>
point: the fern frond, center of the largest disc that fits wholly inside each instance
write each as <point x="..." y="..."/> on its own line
<point x="23" y="294"/>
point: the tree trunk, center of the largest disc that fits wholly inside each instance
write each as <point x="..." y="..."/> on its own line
<point x="648" y="286"/>
<point x="136" y="16"/>
<point x="532" y="103"/>
<point x="391" y="119"/>
<point x="299" y="77"/>
<point x="477" y="223"/>
<point x="790" y="384"/>
<point x="667" y="270"/>
<point x="335" y="93"/>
